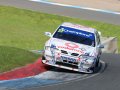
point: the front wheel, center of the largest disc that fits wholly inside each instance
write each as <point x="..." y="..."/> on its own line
<point x="43" y="58"/>
<point x="97" y="63"/>
<point x="96" y="66"/>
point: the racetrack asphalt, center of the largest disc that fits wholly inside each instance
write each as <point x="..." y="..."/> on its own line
<point x="110" y="77"/>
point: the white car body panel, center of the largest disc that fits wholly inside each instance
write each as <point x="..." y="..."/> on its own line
<point x="68" y="52"/>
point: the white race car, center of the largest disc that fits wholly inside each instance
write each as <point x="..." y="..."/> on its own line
<point x="73" y="47"/>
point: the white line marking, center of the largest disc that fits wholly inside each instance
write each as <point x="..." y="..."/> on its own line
<point x="85" y="8"/>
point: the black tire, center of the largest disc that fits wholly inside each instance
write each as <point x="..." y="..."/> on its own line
<point x="95" y="68"/>
<point x="97" y="63"/>
<point x="43" y="58"/>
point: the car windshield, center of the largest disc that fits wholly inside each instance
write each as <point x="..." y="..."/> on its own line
<point x="75" y="35"/>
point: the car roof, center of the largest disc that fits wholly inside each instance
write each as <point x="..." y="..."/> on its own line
<point x="79" y="27"/>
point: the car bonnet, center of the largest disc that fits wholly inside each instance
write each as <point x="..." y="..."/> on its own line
<point x="71" y="46"/>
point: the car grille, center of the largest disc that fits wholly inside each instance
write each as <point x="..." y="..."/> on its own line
<point x="70" y="62"/>
<point x="72" y="54"/>
<point x="67" y="64"/>
<point x="63" y="51"/>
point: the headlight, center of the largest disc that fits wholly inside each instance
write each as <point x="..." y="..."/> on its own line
<point x="87" y="61"/>
<point x="47" y="48"/>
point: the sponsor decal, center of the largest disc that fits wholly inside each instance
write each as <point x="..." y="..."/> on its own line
<point x="53" y="46"/>
<point x="72" y="47"/>
<point x="68" y="59"/>
<point x="78" y="59"/>
<point x="52" y="49"/>
<point x="77" y="32"/>
<point x="58" y="56"/>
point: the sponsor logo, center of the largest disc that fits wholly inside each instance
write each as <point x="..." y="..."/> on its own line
<point x="72" y="47"/>
<point x="68" y="59"/>
<point x="75" y="32"/>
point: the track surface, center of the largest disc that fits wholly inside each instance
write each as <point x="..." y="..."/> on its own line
<point x="110" y="78"/>
<point x="72" y="12"/>
<point x="51" y="77"/>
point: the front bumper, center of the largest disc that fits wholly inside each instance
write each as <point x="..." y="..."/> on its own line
<point x="67" y="66"/>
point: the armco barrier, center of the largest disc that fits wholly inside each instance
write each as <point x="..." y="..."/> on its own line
<point x="110" y="44"/>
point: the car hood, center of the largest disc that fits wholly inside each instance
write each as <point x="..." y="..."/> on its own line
<point x="71" y="46"/>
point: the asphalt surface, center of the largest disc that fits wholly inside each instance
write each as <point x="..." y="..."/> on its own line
<point x="50" y="77"/>
<point x="64" y="11"/>
<point x="109" y="78"/>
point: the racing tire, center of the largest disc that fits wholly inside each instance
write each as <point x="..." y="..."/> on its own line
<point x="97" y="63"/>
<point x="43" y="58"/>
<point x="95" y="68"/>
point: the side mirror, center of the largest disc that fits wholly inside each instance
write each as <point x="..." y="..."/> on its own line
<point x="99" y="33"/>
<point x="100" y="46"/>
<point x="48" y="34"/>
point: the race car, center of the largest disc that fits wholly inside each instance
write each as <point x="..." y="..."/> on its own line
<point x="73" y="47"/>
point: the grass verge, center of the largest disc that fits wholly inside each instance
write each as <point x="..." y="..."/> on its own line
<point x="25" y="29"/>
<point x="11" y="57"/>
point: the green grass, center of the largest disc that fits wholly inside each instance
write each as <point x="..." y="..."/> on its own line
<point x="11" y="57"/>
<point x="25" y="29"/>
